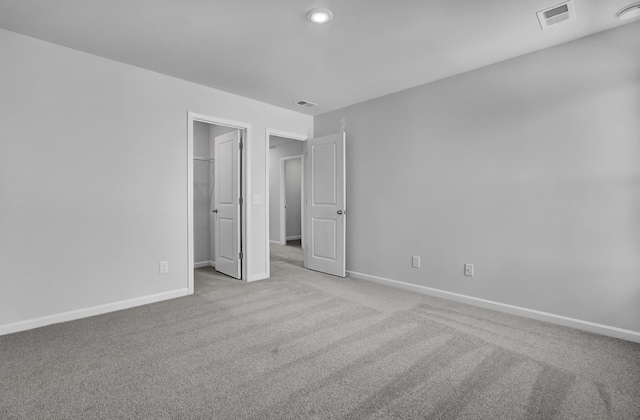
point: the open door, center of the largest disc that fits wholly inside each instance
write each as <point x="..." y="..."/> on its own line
<point x="226" y="198"/>
<point x="325" y="219"/>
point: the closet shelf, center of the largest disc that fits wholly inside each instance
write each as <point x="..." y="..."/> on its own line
<point x="203" y="159"/>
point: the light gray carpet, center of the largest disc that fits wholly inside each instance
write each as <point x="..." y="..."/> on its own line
<point x="305" y="345"/>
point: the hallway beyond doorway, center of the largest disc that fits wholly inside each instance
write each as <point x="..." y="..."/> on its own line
<point x="290" y="254"/>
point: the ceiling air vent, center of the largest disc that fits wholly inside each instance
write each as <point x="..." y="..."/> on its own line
<point x="556" y="15"/>
<point x="305" y="104"/>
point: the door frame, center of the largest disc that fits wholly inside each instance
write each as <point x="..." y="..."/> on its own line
<point x="245" y="174"/>
<point x="287" y="135"/>
<point x="283" y="199"/>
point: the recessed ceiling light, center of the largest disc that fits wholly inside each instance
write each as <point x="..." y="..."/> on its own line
<point x="630" y="12"/>
<point x="320" y="16"/>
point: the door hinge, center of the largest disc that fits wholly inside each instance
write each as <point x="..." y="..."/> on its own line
<point x="241" y="201"/>
<point x="240" y="255"/>
<point x="240" y="145"/>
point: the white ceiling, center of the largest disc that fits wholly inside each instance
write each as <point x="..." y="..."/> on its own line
<point x="267" y="50"/>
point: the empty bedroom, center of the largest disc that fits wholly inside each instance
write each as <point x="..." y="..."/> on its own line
<point x="320" y="209"/>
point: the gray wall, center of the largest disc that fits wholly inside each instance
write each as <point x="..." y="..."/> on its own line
<point x="282" y="150"/>
<point x="528" y="169"/>
<point x="93" y="180"/>
<point x="202" y="194"/>
<point x="293" y="197"/>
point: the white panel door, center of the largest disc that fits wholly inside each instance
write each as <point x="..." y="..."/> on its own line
<point x="325" y="220"/>
<point x="226" y="198"/>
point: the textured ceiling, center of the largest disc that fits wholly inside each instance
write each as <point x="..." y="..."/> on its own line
<point x="268" y="51"/>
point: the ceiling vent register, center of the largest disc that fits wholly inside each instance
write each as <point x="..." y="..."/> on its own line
<point x="556" y="15"/>
<point x="306" y="104"/>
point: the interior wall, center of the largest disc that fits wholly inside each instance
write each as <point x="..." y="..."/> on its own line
<point x="281" y="150"/>
<point x="527" y="169"/>
<point x="202" y="193"/>
<point x="105" y="196"/>
<point x="293" y="198"/>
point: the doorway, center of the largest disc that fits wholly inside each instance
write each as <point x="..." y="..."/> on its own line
<point x="323" y="203"/>
<point x="216" y="229"/>
<point x="291" y="200"/>
<point x="286" y="205"/>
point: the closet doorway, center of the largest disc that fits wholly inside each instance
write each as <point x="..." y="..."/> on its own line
<point x="217" y="183"/>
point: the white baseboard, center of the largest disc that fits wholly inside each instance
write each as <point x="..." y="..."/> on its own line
<point x="291" y="238"/>
<point x="204" y="264"/>
<point x="510" y="309"/>
<point x="87" y="312"/>
<point x="275" y="242"/>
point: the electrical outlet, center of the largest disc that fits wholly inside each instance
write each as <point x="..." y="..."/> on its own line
<point x="415" y="262"/>
<point x="164" y="267"/>
<point x="468" y="270"/>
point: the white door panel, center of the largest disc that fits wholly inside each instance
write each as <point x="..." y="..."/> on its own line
<point x="324" y="175"/>
<point x="225" y="226"/>
<point x="325" y="218"/>
<point x="324" y="235"/>
<point x="227" y="204"/>
<point x="225" y="171"/>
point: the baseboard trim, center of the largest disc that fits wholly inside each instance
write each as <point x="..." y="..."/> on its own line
<point x="593" y="327"/>
<point x="295" y="237"/>
<point x="274" y="242"/>
<point x="87" y="312"/>
<point x="204" y="264"/>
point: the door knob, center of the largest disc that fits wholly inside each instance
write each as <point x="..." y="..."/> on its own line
<point x="214" y="211"/>
<point x="339" y="212"/>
